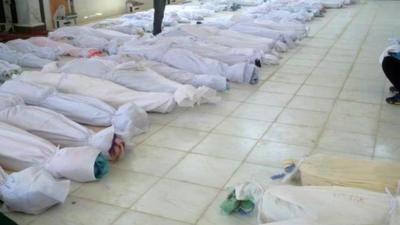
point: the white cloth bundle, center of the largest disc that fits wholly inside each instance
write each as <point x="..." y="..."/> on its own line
<point x="187" y="60"/>
<point x="107" y="91"/>
<point x="7" y="70"/>
<point x="138" y="77"/>
<point x="25" y="46"/>
<point x="21" y="59"/>
<point x="52" y="126"/>
<point x="128" y="121"/>
<point x="32" y="190"/>
<point x="65" y="49"/>
<point x="329" y="206"/>
<point x="20" y="150"/>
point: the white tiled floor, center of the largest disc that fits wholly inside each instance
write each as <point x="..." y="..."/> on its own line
<point x="326" y="96"/>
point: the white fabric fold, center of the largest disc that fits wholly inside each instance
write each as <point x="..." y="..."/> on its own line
<point x="32" y="190"/>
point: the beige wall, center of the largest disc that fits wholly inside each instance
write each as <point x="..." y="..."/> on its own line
<point x="107" y="8"/>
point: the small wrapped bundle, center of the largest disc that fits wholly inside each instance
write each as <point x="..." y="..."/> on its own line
<point x="20" y="150"/>
<point x="32" y="190"/>
<point x="128" y="120"/>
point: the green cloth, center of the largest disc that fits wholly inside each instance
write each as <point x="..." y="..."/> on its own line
<point x="232" y="205"/>
<point x="4" y="220"/>
<point x="101" y="167"/>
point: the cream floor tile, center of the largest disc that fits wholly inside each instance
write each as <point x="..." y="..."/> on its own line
<point x="354" y="143"/>
<point x="275" y="154"/>
<point x="165" y="118"/>
<point x="294" y="135"/>
<point x="222" y="108"/>
<point x="243" y="127"/>
<point x="388" y="130"/>
<point x="387" y="148"/>
<point x="257" y="112"/>
<point x="214" y="215"/>
<point x="176" y="200"/>
<point x="235" y="95"/>
<point x="142" y="137"/>
<point x="266" y="98"/>
<point x="355" y="124"/>
<point x="354" y="84"/>
<point x="279" y="87"/>
<point x="356" y="109"/>
<point x="137" y="218"/>
<point x="318" y="91"/>
<point x="361" y="96"/>
<point x="204" y="170"/>
<point x="303" y="62"/>
<point x="390" y="114"/>
<point x="197" y="121"/>
<point x="253" y="173"/>
<point x="289" y="78"/>
<point x="303" y="117"/>
<point x="79" y="211"/>
<point x="21" y="218"/>
<point x="150" y="160"/>
<point x="228" y="147"/>
<point x="326" y="81"/>
<point x="176" y="138"/>
<point x="311" y="103"/>
<point x="120" y="188"/>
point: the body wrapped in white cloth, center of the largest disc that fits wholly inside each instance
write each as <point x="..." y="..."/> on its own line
<point x="107" y="91"/>
<point x="20" y="150"/>
<point x="128" y="121"/>
<point x="52" y="126"/>
<point x="137" y="77"/>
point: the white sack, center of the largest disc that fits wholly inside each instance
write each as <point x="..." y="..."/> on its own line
<point x="113" y="94"/>
<point x="20" y="150"/>
<point x="32" y="190"/>
<point x="128" y="120"/>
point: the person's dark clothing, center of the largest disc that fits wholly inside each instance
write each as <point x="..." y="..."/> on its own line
<point x="4" y="220"/>
<point x="391" y="68"/>
<point x="159" y="8"/>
